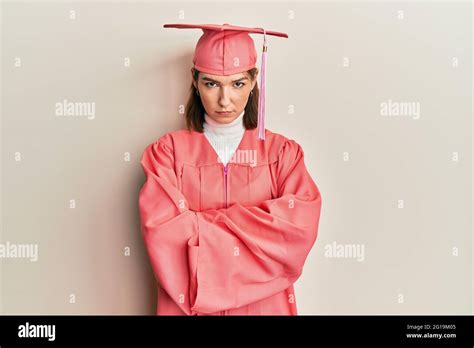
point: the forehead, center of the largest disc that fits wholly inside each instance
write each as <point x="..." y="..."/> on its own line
<point x="223" y="79"/>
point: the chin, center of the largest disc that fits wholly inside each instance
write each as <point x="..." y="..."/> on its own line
<point x="226" y="118"/>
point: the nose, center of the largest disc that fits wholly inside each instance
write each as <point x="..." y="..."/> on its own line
<point x="224" y="97"/>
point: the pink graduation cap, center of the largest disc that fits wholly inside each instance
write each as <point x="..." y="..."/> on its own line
<point x="228" y="49"/>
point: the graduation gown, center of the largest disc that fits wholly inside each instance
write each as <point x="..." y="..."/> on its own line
<point x="227" y="240"/>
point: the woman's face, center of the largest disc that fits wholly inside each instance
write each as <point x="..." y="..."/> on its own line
<point x="224" y="93"/>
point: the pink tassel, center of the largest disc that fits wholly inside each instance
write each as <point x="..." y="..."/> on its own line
<point x="261" y="99"/>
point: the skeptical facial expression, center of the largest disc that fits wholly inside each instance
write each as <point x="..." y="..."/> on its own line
<point x="224" y="97"/>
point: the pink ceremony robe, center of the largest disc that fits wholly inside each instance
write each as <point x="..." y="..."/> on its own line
<point x="227" y="240"/>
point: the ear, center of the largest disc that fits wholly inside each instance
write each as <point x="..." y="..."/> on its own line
<point x="254" y="82"/>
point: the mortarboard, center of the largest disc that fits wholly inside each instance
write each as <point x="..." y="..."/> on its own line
<point x="228" y="49"/>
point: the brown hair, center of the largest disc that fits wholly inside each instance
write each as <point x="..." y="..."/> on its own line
<point x="195" y="110"/>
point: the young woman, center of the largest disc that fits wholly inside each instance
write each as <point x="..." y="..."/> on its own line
<point x="228" y="211"/>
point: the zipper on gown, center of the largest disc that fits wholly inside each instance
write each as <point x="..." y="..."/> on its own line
<point x="225" y="183"/>
<point x="224" y="312"/>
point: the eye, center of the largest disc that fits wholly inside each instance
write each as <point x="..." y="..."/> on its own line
<point x="207" y="84"/>
<point x="242" y="84"/>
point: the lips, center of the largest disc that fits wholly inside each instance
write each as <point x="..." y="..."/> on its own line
<point x="224" y="112"/>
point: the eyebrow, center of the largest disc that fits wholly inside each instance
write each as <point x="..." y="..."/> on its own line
<point x="209" y="79"/>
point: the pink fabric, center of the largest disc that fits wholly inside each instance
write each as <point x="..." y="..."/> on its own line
<point x="224" y="49"/>
<point x="240" y="260"/>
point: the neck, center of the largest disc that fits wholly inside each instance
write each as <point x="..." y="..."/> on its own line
<point x="231" y="129"/>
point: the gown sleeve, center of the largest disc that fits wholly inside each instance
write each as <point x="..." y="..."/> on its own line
<point x="248" y="253"/>
<point x="219" y="259"/>
<point x="166" y="223"/>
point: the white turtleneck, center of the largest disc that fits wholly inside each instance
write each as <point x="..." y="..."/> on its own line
<point x="224" y="137"/>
